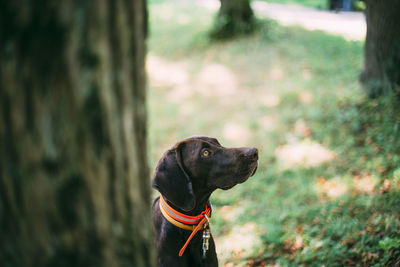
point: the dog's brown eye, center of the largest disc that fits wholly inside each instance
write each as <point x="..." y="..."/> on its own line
<point x="206" y="153"/>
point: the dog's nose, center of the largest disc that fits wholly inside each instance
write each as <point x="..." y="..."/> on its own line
<point x="251" y="153"/>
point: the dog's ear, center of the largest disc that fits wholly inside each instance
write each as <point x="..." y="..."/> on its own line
<point x="172" y="181"/>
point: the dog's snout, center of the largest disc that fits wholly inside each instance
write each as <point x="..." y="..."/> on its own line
<point x="251" y="153"/>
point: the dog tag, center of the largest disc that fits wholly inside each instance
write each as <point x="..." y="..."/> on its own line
<point x="206" y="238"/>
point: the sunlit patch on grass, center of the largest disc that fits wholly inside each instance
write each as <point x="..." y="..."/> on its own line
<point x="332" y="188"/>
<point x="165" y="73"/>
<point x="301" y="128"/>
<point x="305" y="97"/>
<point x="390" y="184"/>
<point x="293" y="244"/>
<point x="270" y="100"/>
<point x="179" y="93"/>
<point x="236" y="133"/>
<point x="305" y="153"/>
<point x="164" y="11"/>
<point x="267" y="123"/>
<point x="276" y="74"/>
<point x="211" y="5"/>
<point x="183" y="19"/>
<point x="216" y="80"/>
<point x="229" y="213"/>
<point x="306" y="74"/>
<point x="365" y="184"/>
<point x="241" y="242"/>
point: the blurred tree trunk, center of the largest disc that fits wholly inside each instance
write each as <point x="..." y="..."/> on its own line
<point x="235" y="17"/>
<point x="381" y="74"/>
<point x="74" y="183"/>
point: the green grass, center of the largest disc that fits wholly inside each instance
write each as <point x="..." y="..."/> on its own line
<point x="281" y="87"/>
<point x="318" y="4"/>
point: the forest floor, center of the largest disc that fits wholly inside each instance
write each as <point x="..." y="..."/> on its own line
<point x="328" y="184"/>
<point x="350" y="25"/>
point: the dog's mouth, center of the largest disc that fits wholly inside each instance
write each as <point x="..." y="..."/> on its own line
<point x="253" y="170"/>
<point x="227" y="187"/>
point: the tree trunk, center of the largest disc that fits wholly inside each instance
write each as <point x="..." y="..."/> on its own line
<point x="74" y="180"/>
<point x="381" y="74"/>
<point x="235" y="17"/>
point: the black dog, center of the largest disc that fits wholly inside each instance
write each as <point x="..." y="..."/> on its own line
<point x="186" y="176"/>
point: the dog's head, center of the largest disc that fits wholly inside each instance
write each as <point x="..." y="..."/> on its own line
<point x="200" y="164"/>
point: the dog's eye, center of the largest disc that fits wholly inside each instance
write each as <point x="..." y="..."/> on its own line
<point x="206" y="153"/>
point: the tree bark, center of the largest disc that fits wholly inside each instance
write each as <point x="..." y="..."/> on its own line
<point x="74" y="179"/>
<point x="235" y="17"/>
<point x="381" y="74"/>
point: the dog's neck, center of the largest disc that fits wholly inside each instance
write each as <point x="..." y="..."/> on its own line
<point x="202" y="200"/>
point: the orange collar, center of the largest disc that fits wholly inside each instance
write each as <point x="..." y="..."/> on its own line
<point x="186" y="222"/>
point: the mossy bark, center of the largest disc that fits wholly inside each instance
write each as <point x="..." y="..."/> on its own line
<point x="381" y="74"/>
<point x="74" y="179"/>
<point x="235" y="17"/>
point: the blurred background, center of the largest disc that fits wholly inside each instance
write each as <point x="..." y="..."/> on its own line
<point x="286" y="81"/>
<point x="314" y="85"/>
